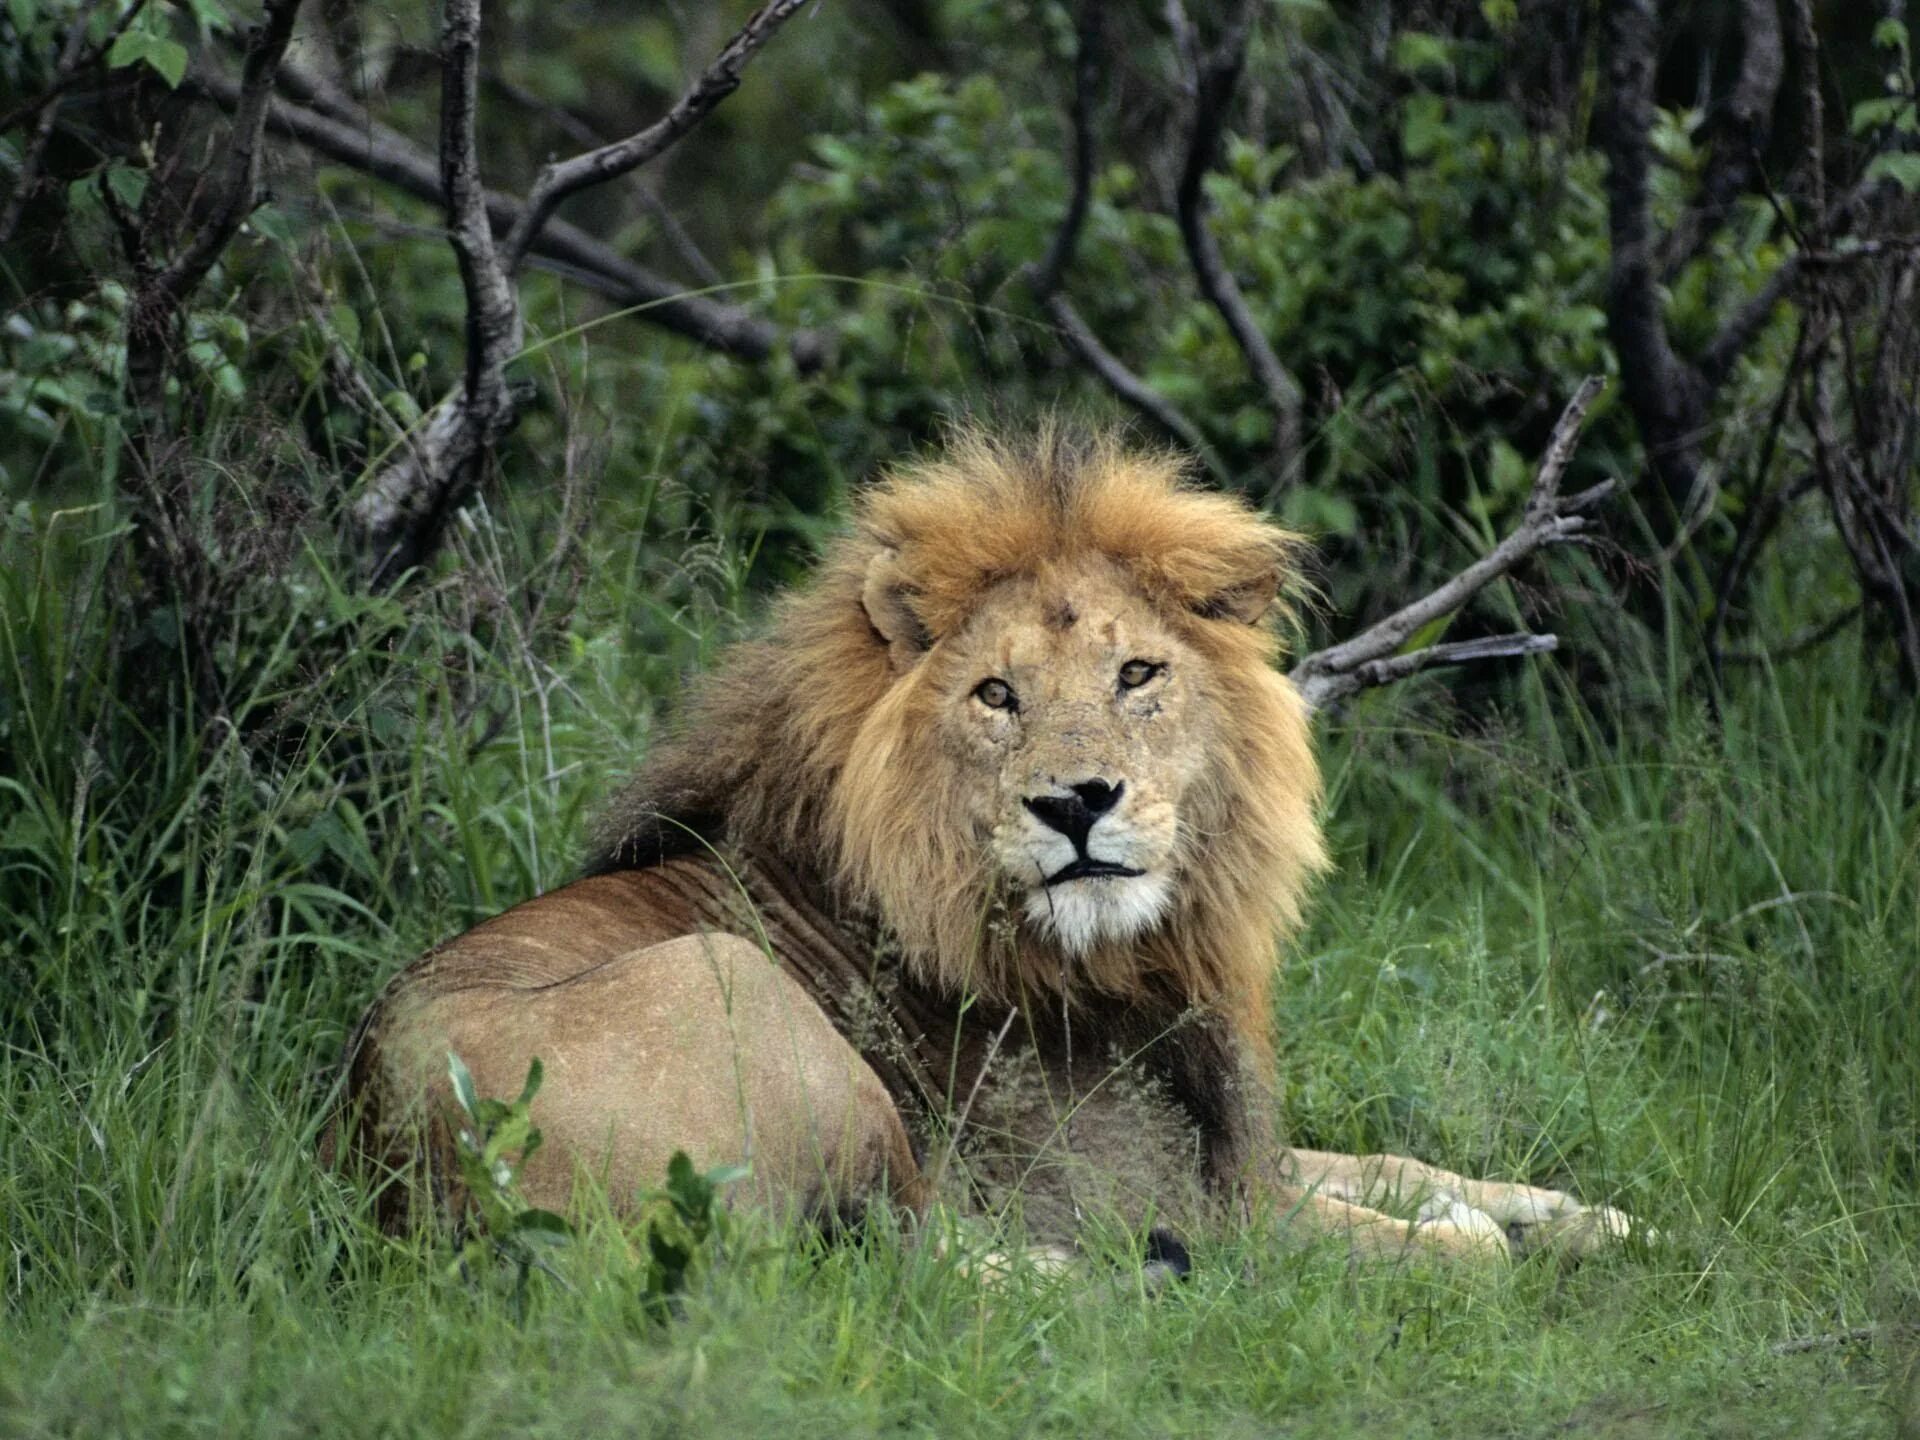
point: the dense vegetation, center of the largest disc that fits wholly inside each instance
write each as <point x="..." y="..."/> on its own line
<point x="1639" y="919"/>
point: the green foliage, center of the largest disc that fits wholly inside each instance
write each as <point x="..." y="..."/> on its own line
<point x="490" y="1150"/>
<point x="683" y="1225"/>
<point x="1584" y="934"/>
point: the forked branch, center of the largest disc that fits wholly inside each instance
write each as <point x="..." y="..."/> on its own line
<point x="1046" y="277"/>
<point x="398" y="515"/>
<point x="1374" y="656"/>
<point x="607" y="162"/>
<point x="1215" y="74"/>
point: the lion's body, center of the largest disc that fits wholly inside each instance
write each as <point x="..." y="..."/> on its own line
<point x="968" y="880"/>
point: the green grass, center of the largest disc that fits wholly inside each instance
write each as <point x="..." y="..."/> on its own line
<point x="1658" y="960"/>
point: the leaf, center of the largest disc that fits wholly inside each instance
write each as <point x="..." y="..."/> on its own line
<point x="532" y="1087"/>
<point x="462" y="1080"/>
<point x="1417" y="50"/>
<point x="168" y="58"/>
<point x="129" y="186"/>
<point x="1890" y="34"/>
<point x="728" y="1174"/>
<point x="1902" y="169"/>
<point x="542" y="1226"/>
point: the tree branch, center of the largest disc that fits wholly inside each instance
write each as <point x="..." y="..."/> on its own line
<point x="153" y="317"/>
<point x="1046" y="277"/>
<point x="1215" y="74"/>
<point x="1089" y="64"/>
<point x="720" y="79"/>
<point x="331" y="126"/>
<point x="1369" y="658"/>
<point x="1667" y="396"/>
<point x="1740" y="135"/>
<point x="1142" y="397"/>
<point x="398" y="514"/>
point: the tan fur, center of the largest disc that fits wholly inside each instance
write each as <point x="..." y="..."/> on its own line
<point x="845" y="793"/>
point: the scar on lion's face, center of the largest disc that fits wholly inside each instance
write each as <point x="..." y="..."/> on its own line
<point x="1080" y="705"/>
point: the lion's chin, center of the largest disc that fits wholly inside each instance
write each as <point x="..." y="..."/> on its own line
<point x="1077" y="915"/>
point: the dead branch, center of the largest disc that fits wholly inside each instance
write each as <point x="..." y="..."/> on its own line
<point x="1089" y="67"/>
<point x="1213" y="75"/>
<point x="397" y="516"/>
<point x="576" y="130"/>
<point x="1370" y="658"/>
<point x="720" y="79"/>
<point x="332" y="126"/>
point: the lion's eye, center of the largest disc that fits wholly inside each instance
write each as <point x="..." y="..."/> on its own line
<point x="996" y="695"/>
<point x="1136" y="673"/>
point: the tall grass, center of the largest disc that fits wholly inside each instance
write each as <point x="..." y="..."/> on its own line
<point x="1654" y="955"/>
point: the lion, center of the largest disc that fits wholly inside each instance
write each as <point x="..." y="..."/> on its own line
<point x="964" y="885"/>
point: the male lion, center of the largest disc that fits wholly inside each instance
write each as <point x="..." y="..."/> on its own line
<point x="966" y="881"/>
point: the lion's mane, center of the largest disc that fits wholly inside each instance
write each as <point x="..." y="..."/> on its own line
<point x="814" y="742"/>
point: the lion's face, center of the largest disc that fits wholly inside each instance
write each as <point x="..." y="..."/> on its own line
<point x="1080" y="720"/>
<point x="1038" y="691"/>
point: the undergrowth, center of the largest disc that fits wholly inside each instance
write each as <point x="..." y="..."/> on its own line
<point x="1657" y="954"/>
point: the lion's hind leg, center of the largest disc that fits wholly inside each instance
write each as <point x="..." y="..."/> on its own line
<point x="1527" y="1217"/>
<point x="700" y="1044"/>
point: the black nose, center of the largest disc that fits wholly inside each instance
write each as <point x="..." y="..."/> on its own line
<point x="1073" y="815"/>
<point x="1097" y="795"/>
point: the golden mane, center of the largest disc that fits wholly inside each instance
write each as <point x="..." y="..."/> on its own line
<point x="813" y="743"/>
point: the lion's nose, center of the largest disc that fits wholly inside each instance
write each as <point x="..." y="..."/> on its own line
<point x="1073" y="814"/>
<point x="1097" y="795"/>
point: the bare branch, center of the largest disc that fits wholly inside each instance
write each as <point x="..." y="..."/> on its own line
<point x="581" y="133"/>
<point x="331" y="126"/>
<point x="568" y="177"/>
<point x="399" y="511"/>
<point x="1088" y="66"/>
<point x="1216" y="72"/>
<point x="1369" y="658"/>
<point x="1142" y="397"/>
<point x="1047" y="276"/>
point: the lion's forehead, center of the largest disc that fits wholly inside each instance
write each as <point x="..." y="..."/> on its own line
<point x="1059" y="627"/>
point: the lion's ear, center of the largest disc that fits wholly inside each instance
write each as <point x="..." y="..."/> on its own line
<point x="1247" y="596"/>
<point x="887" y="598"/>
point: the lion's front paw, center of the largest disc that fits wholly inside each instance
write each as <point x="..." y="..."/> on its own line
<point x="1575" y="1231"/>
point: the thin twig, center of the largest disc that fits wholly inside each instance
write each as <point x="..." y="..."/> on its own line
<point x="1369" y="658"/>
<point x="328" y="124"/>
<point x="568" y="177"/>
